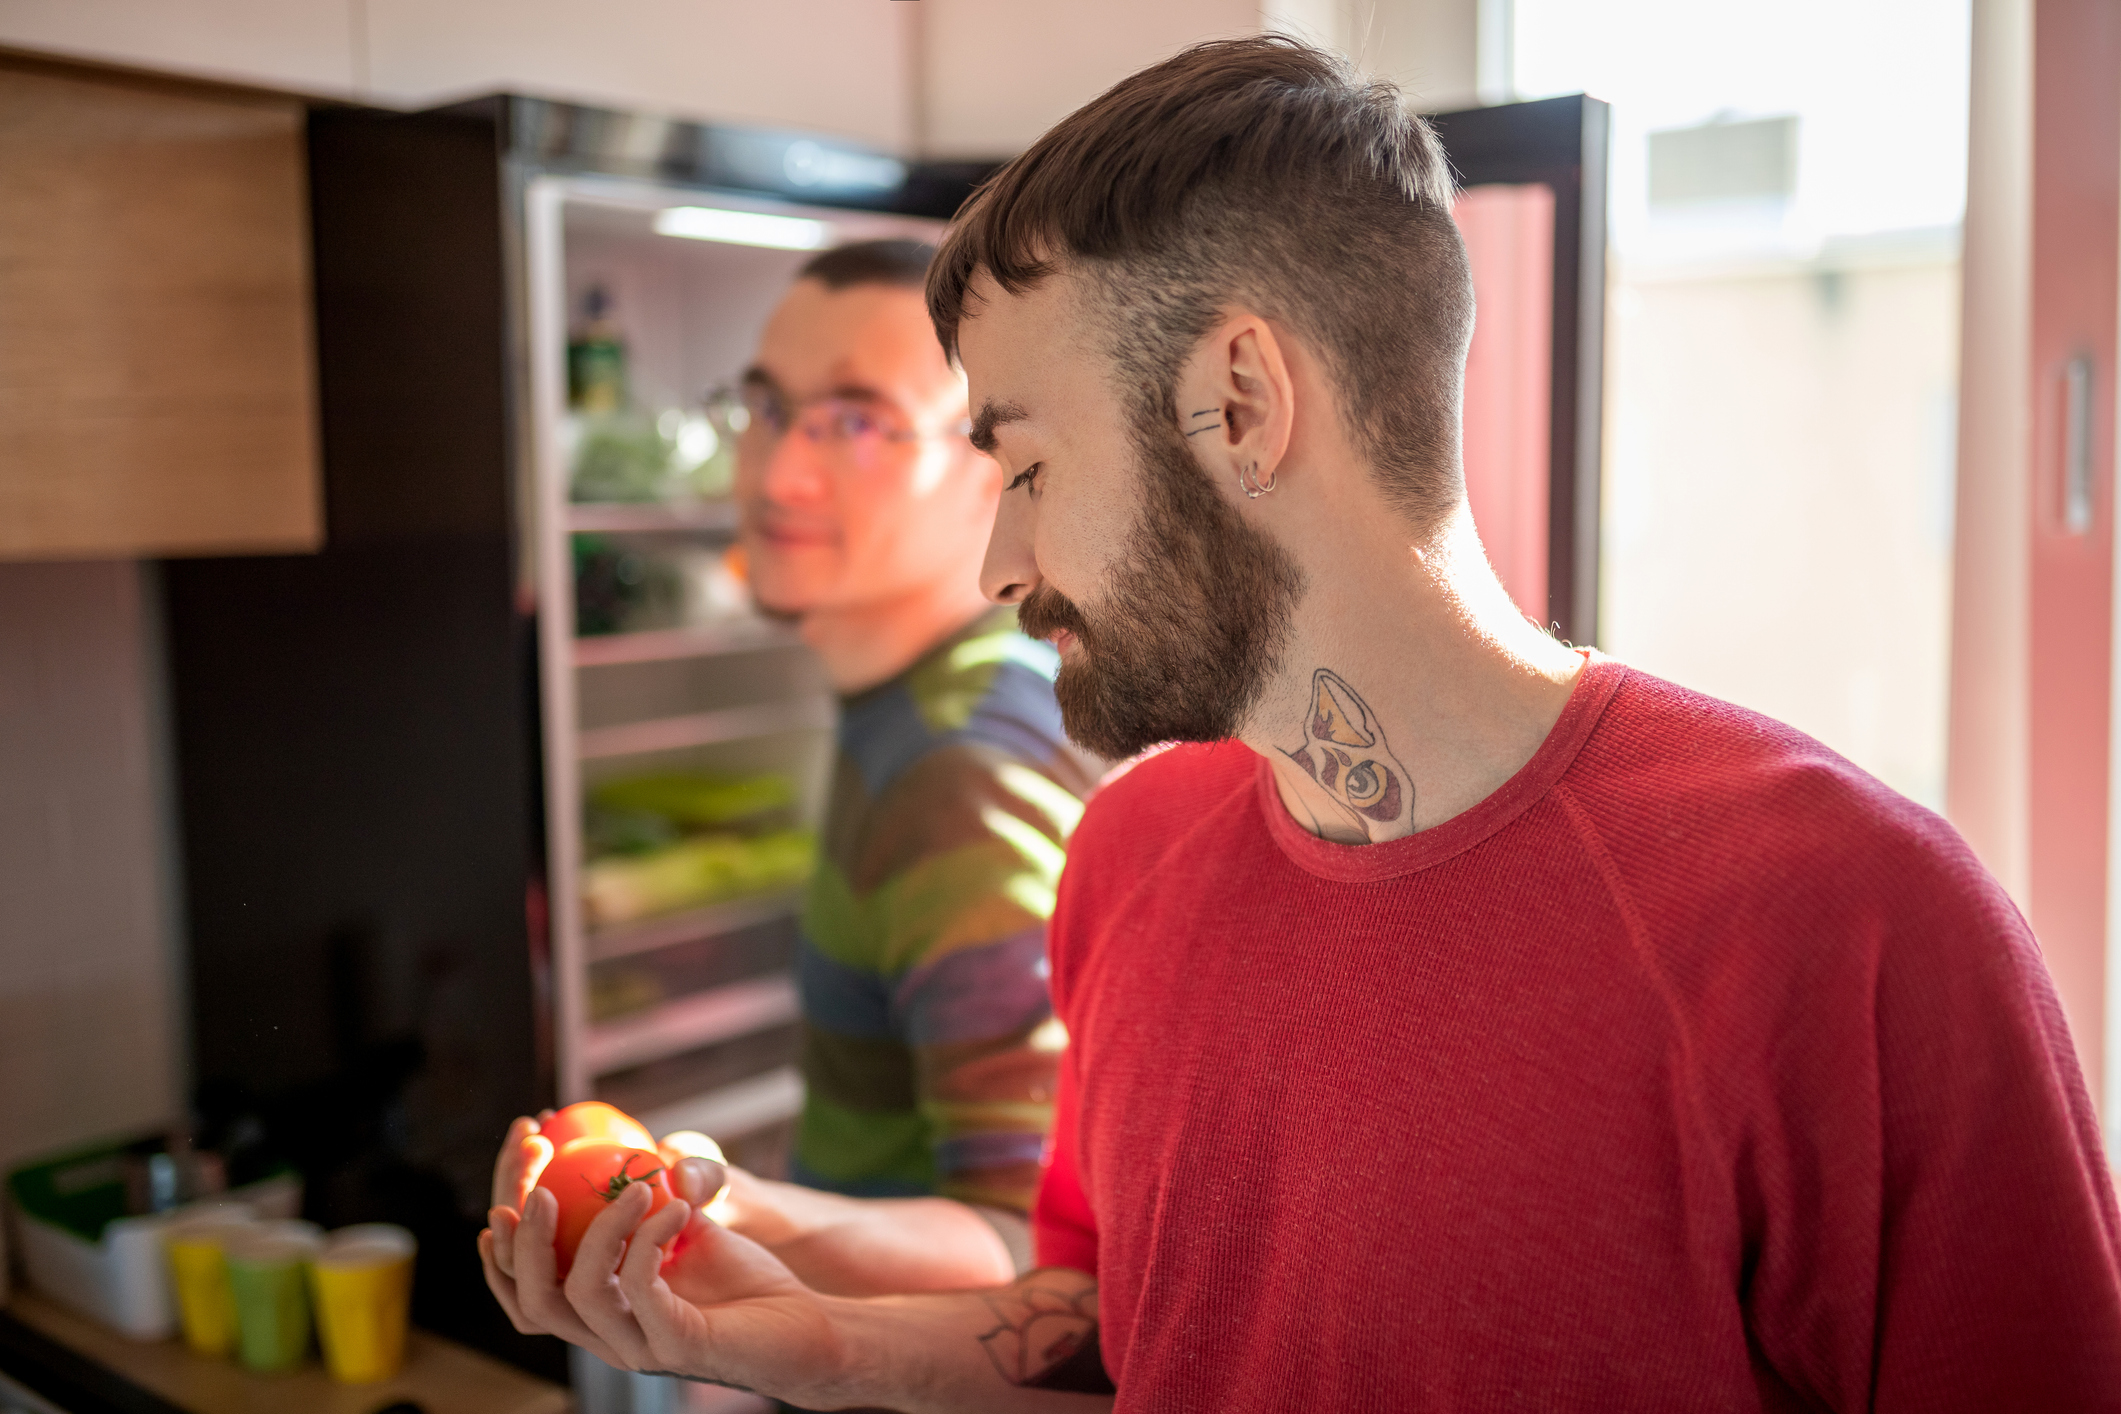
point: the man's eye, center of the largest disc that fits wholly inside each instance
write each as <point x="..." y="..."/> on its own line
<point x="1025" y="477"/>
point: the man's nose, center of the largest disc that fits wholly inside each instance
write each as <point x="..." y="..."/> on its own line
<point x="794" y="473"/>
<point x="1010" y="571"/>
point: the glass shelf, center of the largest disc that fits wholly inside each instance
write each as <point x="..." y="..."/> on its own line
<point x="648" y="935"/>
<point x="652" y="516"/>
<point x="689" y="1023"/>
<point x="707" y="728"/>
<point x="696" y="641"/>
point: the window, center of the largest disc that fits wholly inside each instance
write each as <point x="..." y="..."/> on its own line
<point x="1782" y="343"/>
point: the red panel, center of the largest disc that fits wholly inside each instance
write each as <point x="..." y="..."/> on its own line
<point x="1509" y="234"/>
<point x="2076" y="173"/>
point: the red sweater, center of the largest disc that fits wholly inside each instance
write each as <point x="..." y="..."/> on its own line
<point x="1692" y="1070"/>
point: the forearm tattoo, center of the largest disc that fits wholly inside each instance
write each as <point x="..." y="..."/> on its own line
<point x="1344" y="750"/>
<point x="1045" y="1334"/>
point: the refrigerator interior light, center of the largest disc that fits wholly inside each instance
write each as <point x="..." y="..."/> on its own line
<point x="711" y="223"/>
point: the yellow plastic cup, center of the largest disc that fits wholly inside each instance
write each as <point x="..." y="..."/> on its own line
<point x="362" y="1281"/>
<point x="198" y="1269"/>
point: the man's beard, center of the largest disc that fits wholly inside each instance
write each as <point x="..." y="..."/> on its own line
<point x="1185" y="639"/>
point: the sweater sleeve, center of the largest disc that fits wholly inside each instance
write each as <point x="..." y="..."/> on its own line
<point x="1063" y="1229"/>
<point x="964" y="933"/>
<point x="1999" y="1268"/>
<point x="1941" y="1236"/>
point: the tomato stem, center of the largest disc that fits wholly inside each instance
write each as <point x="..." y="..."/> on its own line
<point x="616" y="1184"/>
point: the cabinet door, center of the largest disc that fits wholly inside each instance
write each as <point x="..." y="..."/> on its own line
<point x="157" y="384"/>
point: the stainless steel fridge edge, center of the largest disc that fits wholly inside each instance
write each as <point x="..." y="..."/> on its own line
<point x="542" y="291"/>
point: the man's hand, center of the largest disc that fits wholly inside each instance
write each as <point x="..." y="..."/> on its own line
<point x="675" y="1295"/>
<point x="523" y="1156"/>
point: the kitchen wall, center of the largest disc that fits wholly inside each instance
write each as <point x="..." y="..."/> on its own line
<point x="991" y="75"/>
<point x="840" y="66"/>
<point x="90" y="1040"/>
<point x="948" y="77"/>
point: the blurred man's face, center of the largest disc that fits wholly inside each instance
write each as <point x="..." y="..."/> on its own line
<point x="854" y="477"/>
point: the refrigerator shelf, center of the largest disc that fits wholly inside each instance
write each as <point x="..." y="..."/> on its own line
<point x="689" y="1023"/>
<point x="773" y="1097"/>
<point x="663" y="644"/>
<point x="652" y="516"/>
<point x="631" y="939"/>
<point x="707" y="728"/>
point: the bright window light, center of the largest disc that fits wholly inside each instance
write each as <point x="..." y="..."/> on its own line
<point x="708" y="223"/>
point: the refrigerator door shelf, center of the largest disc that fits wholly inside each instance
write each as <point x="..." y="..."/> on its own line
<point x="699" y="641"/>
<point x="632" y="939"/>
<point x="747" y="1106"/>
<point x="690" y="1023"/>
<point x="708" y="728"/>
<point x="653" y="516"/>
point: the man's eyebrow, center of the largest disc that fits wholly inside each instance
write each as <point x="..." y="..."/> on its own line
<point x="757" y="377"/>
<point x="992" y="415"/>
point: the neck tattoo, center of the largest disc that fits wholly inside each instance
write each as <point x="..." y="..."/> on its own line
<point x="1345" y="752"/>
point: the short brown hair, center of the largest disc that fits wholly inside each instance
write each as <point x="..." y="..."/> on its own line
<point x="899" y="264"/>
<point x="1259" y="170"/>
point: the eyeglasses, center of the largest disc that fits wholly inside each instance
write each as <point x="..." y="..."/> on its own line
<point x="853" y="433"/>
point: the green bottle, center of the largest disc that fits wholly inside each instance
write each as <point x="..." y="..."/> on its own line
<point x="596" y="359"/>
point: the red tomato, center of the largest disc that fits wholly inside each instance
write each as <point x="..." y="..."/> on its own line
<point x="588" y="1174"/>
<point x="593" y="1119"/>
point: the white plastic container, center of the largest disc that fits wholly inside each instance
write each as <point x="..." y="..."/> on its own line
<point x="123" y="1281"/>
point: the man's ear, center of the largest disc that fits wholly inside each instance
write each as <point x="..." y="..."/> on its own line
<point x="1237" y="401"/>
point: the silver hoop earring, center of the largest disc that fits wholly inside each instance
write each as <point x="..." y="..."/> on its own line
<point x="1248" y="481"/>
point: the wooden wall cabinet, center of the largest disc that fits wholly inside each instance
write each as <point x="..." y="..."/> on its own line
<point x="157" y="365"/>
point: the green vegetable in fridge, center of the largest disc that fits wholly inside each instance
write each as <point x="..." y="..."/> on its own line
<point x="697" y="871"/>
<point x="619" y="589"/>
<point x="696" y="800"/>
<point x="621" y="457"/>
<point x="625" y="831"/>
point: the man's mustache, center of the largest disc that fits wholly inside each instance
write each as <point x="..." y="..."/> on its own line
<point x="1045" y="612"/>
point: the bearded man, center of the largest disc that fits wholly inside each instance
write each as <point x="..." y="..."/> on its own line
<point x="1466" y="1021"/>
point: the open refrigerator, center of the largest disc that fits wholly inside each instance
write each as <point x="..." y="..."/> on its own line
<point x="686" y="737"/>
<point x="504" y="798"/>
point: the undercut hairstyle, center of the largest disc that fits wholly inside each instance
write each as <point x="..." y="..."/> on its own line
<point x="1261" y="172"/>
<point x="901" y="264"/>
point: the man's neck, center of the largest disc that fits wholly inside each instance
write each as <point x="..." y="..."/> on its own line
<point x="872" y="642"/>
<point x="1412" y="687"/>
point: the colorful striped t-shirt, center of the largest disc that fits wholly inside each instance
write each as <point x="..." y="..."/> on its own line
<point x="929" y="1046"/>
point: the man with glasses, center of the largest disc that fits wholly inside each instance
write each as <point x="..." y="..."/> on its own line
<point x="929" y="1048"/>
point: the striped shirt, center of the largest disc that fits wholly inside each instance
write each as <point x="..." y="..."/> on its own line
<point x="929" y="1046"/>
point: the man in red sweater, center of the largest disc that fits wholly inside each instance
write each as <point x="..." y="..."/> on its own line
<point x="1467" y="1022"/>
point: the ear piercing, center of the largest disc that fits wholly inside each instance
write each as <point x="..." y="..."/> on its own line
<point x="1248" y="481"/>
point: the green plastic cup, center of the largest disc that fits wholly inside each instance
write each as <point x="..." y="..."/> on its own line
<point x="268" y="1276"/>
